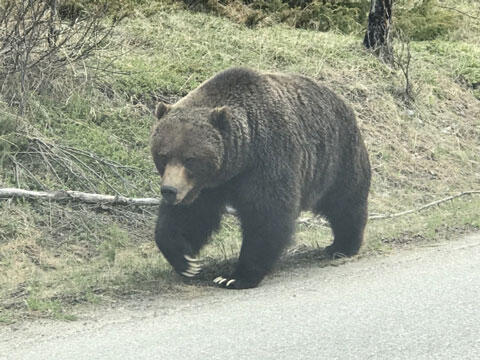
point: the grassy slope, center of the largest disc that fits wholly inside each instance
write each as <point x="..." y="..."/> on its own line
<point x="53" y="256"/>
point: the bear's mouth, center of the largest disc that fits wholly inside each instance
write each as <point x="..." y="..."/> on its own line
<point x="190" y="197"/>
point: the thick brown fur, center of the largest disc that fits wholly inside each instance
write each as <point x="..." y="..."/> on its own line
<point x="270" y="145"/>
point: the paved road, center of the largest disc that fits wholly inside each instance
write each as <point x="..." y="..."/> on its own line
<point x="414" y="304"/>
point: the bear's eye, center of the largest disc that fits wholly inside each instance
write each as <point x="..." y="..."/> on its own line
<point x="189" y="163"/>
<point x="160" y="162"/>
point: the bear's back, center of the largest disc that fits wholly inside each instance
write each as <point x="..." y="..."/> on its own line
<point x="229" y="87"/>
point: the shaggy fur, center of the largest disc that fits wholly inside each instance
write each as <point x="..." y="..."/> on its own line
<point x="270" y="145"/>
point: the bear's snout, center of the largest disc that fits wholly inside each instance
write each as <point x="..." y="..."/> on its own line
<point x="176" y="183"/>
<point x="169" y="194"/>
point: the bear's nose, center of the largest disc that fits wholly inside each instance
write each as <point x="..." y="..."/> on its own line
<point x="169" y="193"/>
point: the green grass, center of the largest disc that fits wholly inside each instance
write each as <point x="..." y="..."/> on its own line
<point x="460" y="60"/>
<point x="56" y="256"/>
<point x="52" y="309"/>
<point x="184" y="56"/>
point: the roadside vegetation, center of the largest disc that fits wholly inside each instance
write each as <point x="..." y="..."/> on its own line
<point x="87" y="129"/>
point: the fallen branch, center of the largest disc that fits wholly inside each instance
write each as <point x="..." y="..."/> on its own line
<point x="10" y="193"/>
<point x="433" y="203"/>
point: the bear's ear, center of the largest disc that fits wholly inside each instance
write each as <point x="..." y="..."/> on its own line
<point x="220" y="118"/>
<point x="162" y="109"/>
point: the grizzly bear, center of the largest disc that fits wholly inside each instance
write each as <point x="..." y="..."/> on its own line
<point x="270" y="145"/>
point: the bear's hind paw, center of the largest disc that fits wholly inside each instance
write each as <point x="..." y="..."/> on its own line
<point x="193" y="267"/>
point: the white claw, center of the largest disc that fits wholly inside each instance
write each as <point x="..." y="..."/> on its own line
<point x="187" y="274"/>
<point x="195" y="267"/>
<point x="191" y="259"/>
<point x="222" y="281"/>
<point x="229" y="282"/>
<point x="193" y="271"/>
<point x="218" y="279"/>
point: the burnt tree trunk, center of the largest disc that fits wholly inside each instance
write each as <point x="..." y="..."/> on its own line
<point x="379" y="22"/>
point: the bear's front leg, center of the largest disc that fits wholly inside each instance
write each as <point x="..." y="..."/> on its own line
<point x="266" y="232"/>
<point x="182" y="230"/>
<point x="171" y="239"/>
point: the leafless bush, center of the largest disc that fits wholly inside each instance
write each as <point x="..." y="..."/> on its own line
<point x="72" y="168"/>
<point x="401" y="59"/>
<point x="42" y="40"/>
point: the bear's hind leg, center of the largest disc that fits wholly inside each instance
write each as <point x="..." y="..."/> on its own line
<point x="265" y="235"/>
<point x="348" y="225"/>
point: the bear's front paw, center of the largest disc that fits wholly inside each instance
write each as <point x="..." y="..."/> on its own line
<point x="192" y="267"/>
<point x="231" y="283"/>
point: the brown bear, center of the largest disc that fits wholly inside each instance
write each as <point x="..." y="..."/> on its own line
<point x="270" y="145"/>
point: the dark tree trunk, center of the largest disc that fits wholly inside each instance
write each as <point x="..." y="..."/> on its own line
<point x="379" y="21"/>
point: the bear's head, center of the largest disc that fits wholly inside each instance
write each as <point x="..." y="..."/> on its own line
<point x="188" y="150"/>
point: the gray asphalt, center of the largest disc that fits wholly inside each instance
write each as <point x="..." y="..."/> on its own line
<point x="421" y="303"/>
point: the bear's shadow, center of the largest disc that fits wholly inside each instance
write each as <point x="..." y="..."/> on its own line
<point x="296" y="257"/>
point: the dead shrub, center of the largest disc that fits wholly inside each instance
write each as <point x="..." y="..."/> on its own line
<point x="42" y="41"/>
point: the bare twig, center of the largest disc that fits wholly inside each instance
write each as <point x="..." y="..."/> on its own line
<point x="433" y="203"/>
<point x="401" y="58"/>
<point x="95" y="157"/>
<point x="459" y="11"/>
<point x="86" y="167"/>
<point x="18" y="165"/>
